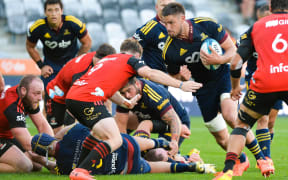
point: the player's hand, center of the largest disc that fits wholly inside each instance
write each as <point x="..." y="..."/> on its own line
<point x="2" y="84"/>
<point x="46" y="71"/>
<point x="208" y="59"/>
<point x="185" y="72"/>
<point x="174" y="148"/>
<point x="185" y="131"/>
<point x="191" y="86"/>
<point x="132" y="102"/>
<point x="236" y="92"/>
<point x="194" y="157"/>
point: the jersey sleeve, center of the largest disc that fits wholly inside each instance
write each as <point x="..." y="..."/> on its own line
<point x="143" y="35"/>
<point x="246" y="48"/>
<point x="78" y="27"/>
<point x="32" y="111"/>
<point x="136" y="63"/>
<point x="215" y="30"/>
<point x="15" y="118"/>
<point x="33" y="33"/>
<point x="121" y="109"/>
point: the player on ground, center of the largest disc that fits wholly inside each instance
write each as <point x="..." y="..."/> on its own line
<point x="86" y="97"/>
<point x="269" y="82"/>
<point x="183" y="48"/>
<point x="59" y="86"/>
<point x="265" y="123"/>
<point x="152" y="37"/>
<point x="15" y="104"/>
<point x="125" y="160"/>
<point x="157" y="105"/>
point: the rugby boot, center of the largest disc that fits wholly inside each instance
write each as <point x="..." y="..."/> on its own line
<point x="224" y="176"/>
<point x="239" y="167"/>
<point x="80" y="174"/>
<point x="265" y="167"/>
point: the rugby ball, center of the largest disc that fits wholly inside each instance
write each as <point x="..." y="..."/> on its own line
<point x="216" y="46"/>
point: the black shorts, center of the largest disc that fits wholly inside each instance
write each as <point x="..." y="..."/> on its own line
<point x="262" y="102"/>
<point x="87" y="113"/>
<point x="55" y="112"/>
<point x="5" y="144"/>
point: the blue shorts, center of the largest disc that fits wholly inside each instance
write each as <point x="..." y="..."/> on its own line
<point x="140" y="166"/>
<point x="208" y="96"/>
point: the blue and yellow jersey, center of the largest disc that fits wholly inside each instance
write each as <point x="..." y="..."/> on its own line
<point x="179" y="52"/>
<point x="59" y="46"/>
<point x="69" y="148"/>
<point x="152" y="37"/>
<point x="155" y="102"/>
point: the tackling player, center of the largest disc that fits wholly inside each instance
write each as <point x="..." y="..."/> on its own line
<point x="57" y="89"/>
<point x="15" y="104"/>
<point x="157" y="105"/>
<point x="269" y="82"/>
<point x="86" y="97"/>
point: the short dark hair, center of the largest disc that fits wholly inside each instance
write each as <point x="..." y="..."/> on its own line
<point x="263" y="8"/>
<point x="104" y="50"/>
<point x="53" y="2"/>
<point x="26" y="81"/>
<point x="131" y="45"/>
<point x="173" y="8"/>
<point x="280" y="5"/>
<point x="152" y="155"/>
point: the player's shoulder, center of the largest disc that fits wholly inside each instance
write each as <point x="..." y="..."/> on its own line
<point x="73" y="20"/>
<point x="151" y="26"/>
<point x="37" y="24"/>
<point x="203" y="20"/>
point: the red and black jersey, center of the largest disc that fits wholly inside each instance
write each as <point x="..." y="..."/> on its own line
<point x="105" y="78"/>
<point x="12" y="112"/>
<point x="73" y="70"/>
<point x="269" y="37"/>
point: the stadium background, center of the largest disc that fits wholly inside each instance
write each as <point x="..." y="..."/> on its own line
<point x="107" y="21"/>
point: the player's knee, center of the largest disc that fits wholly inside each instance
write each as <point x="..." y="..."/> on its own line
<point x="217" y="124"/>
<point x="25" y="165"/>
<point x="240" y="131"/>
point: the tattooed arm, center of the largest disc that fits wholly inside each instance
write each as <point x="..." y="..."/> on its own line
<point x="172" y="119"/>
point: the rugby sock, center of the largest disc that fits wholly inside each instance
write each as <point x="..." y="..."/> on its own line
<point x="99" y="152"/>
<point x="230" y="161"/>
<point x="161" y="143"/>
<point x="264" y="140"/>
<point x="87" y="146"/>
<point x="142" y="133"/>
<point x="182" y="167"/>
<point x="255" y="149"/>
<point x="242" y="157"/>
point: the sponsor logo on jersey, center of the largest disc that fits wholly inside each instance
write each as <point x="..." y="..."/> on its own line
<point x="114" y="162"/>
<point x="47" y="36"/>
<point x="244" y="36"/>
<point x="182" y="51"/>
<point x="276" y="22"/>
<point x="80" y="83"/>
<point x="137" y="37"/>
<point x="98" y="92"/>
<point x="278" y="69"/>
<point x="53" y="44"/>
<point x="66" y="32"/>
<point x="20" y="118"/>
<point x="161" y="45"/>
<point x="203" y="36"/>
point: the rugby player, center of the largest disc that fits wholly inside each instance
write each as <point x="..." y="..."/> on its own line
<point x="57" y="88"/>
<point x="269" y="82"/>
<point x="125" y="160"/>
<point x="86" y="97"/>
<point x="2" y="83"/>
<point x="17" y="102"/>
<point x="183" y="48"/>
<point x="157" y="105"/>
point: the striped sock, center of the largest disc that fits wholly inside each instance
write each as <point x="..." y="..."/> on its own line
<point x="264" y="140"/>
<point x="230" y="161"/>
<point x="254" y="148"/>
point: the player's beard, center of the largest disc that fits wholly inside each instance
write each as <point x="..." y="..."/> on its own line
<point x="28" y="103"/>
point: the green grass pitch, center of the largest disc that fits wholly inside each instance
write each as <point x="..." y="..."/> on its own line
<point x="210" y="153"/>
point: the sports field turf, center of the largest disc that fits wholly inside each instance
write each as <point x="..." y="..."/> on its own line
<point x="210" y="153"/>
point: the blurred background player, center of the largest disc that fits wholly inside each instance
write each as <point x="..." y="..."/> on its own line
<point x="86" y="97"/>
<point x="57" y="88"/>
<point x="66" y="151"/>
<point x="15" y="147"/>
<point x="152" y="37"/>
<point x="156" y="105"/>
<point x="269" y="82"/>
<point x="183" y="48"/>
<point x="264" y="130"/>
